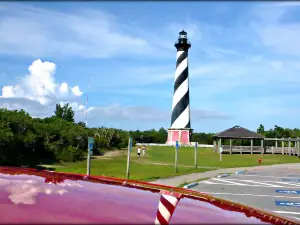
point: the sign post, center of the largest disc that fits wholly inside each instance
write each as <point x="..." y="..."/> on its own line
<point x="196" y="148"/>
<point x="221" y="150"/>
<point x="128" y="157"/>
<point x="90" y="152"/>
<point x="176" y="155"/>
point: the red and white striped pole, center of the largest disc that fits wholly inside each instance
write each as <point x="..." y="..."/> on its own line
<point x="166" y="207"/>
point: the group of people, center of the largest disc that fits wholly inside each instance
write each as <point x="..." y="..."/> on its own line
<point x="139" y="151"/>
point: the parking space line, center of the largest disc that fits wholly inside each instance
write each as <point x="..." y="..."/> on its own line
<point x="256" y="182"/>
<point x="286" y="212"/>
<point x="295" y="217"/>
<point x="230" y="182"/>
<point x="249" y="185"/>
<point x="288" y="183"/>
<point x="246" y="175"/>
<point x="273" y="196"/>
<point x="269" y="183"/>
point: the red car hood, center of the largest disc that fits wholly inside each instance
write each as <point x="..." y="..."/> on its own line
<point x="33" y="196"/>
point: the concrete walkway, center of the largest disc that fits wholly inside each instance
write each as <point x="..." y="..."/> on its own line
<point x="189" y="178"/>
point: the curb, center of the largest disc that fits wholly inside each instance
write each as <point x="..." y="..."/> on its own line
<point x="240" y="171"/>
<point x="190" y="185"/>
<point x="223" y="175"/>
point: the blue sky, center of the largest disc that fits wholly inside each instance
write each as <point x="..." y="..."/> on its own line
<point x="243" y="64"/>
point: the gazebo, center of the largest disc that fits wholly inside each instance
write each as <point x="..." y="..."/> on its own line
<point x="239" y="133"/>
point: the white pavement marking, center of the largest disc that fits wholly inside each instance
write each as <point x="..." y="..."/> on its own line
<point x="274" y="185"/>
<point x="273" y="196"/>
<point x="288" y="183"/>
<point x="256" y="182"/>
<point x="295" y="217"/>
<point x="226" y="181"/>
<point x="235" y="184"/>
<point x="286" y="212"/>
<point x="266" y="183"/>
<point x="248" y="175"/>
<point x="221" y="182"/>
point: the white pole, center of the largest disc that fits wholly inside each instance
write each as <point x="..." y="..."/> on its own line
<point x="221" y="150"/>
<point x="86" y="111"/>
<point x="88" y="167"/>
<point x="196" y="146"/>
<point x="176" y="156"/>
<point x="128" y="158"/>
<point x="86" y="103"/>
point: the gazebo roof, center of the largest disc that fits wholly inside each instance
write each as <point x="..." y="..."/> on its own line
<point x="238" y="132"/>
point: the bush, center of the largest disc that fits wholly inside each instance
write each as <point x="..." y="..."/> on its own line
<point x="70" y="154"/>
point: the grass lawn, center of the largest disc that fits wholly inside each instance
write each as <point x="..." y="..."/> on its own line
<point x="158" y="163"/>
<point x="206" y="157"/>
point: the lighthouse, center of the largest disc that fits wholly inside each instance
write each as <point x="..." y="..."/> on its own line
<point x="180" y="120"/>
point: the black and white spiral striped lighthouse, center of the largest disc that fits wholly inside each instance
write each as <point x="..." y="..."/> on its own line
<point x="180" y="121"/>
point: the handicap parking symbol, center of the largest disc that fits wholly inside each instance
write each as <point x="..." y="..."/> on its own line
<point x="288" y="191"/>
<point x="287" y="203"/>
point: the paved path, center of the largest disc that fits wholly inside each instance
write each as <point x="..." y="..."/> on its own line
<point x="274" y="188"/>
<point x="189" y="178"/>
<point x="170" y="164"/>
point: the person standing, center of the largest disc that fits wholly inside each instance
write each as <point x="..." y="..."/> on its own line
<point x="144" y="150"/>
<point x="139" y="152"/>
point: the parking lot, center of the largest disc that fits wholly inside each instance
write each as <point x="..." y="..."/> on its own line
<point x="273" y="189"/>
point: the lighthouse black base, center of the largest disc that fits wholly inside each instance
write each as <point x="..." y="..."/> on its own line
<point x="182" y="135"/>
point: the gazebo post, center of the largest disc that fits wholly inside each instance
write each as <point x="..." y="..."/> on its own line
<point x="251" y="146"/>
<point x="298" y="147"/>
<point x="230" y="146"/>
<point x="276" y="145"/>
<point x="289" y="146"/>
<point x="215" y="145"/>
<point x="241" y="146"/>
<point x="262" y="146"/>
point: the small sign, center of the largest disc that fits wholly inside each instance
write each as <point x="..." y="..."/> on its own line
<point x="221" y="149"/>
<point x="287" y="203"/>
<point x="177" y="145"/>
<point x="288" y="191"/>
<point x="90" y="143"/>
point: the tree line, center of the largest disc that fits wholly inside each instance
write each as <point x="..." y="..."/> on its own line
<point x="27" y="141"/>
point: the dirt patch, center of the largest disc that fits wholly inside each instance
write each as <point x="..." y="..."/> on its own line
<point x="110" y="154"/>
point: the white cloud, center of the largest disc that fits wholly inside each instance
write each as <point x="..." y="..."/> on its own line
<point x="275" y="32"/>
<point x="84" y="32"/>
<point x="118" y="112"/>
